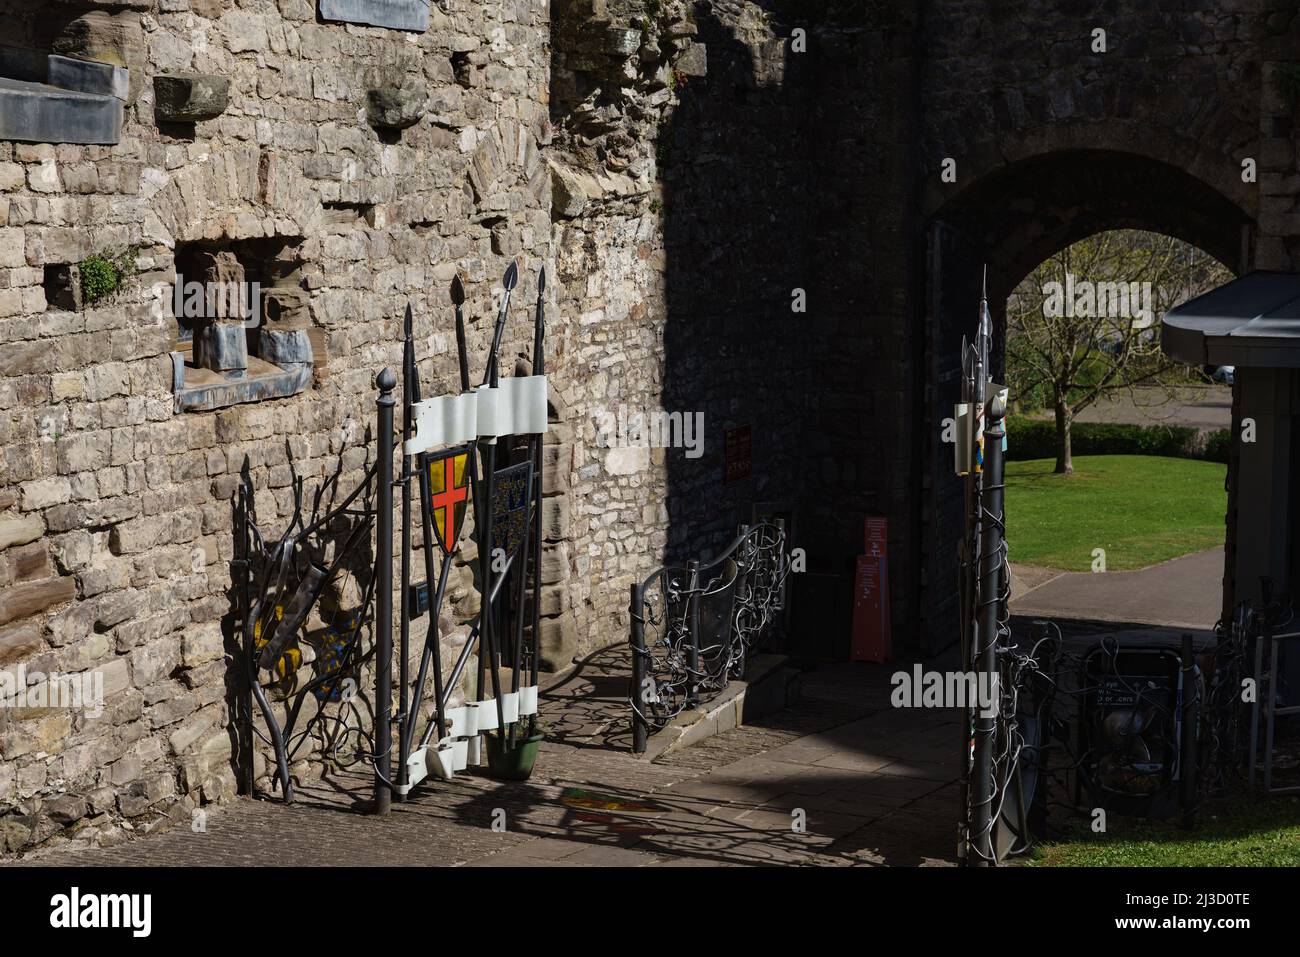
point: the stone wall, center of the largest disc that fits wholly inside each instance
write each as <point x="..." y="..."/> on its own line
<point x="115" y="509"/>
<point x="737" y="203"/>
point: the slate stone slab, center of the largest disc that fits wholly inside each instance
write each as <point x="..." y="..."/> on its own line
<point x="285" y="347"/>
<point x="36" y="113"/>
<point x="89" y="76"/>
<point x="204" y="391"/>
<point x="394" y="14"/>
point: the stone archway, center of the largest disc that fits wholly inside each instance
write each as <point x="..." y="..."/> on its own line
<point x="1011" y="219"/>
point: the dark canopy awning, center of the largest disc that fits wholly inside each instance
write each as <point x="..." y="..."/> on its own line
<point x="1253" y="321"/>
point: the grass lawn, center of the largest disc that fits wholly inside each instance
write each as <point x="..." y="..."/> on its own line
<point x="1141" y="509"/>
<point x="1261" y="832"/>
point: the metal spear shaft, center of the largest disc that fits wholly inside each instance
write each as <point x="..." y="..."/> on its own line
<point x="404" y="625"/>
<point x="492" y="377"/>
<point x="986" y="650"/>
<point x="539" y="368"/>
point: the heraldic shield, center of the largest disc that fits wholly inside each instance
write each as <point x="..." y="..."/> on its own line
<point x="510" y="506"/>
<point x="449" y="495"/>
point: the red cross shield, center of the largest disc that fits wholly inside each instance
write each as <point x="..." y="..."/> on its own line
<point x="449" y="495"/>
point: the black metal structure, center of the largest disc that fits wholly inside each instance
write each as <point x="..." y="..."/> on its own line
<point x="297" y="653"/>
<point x="506" y="504"/>
<point x="305" y="647"/>
<point x="692" y="627"/>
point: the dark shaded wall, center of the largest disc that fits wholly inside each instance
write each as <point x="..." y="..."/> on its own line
<point x="773" y="170"/>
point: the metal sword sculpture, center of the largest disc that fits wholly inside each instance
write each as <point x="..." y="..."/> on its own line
<point x="282" y="585"/>
<point x="444" y="439"/>
<point x="992" y="743"/>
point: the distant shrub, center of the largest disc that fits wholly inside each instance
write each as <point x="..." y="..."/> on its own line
<point x="1217" y="445"/>
<point x="1036" y="439"/>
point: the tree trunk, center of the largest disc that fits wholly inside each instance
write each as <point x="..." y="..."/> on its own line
<point x="1064" y="458"/>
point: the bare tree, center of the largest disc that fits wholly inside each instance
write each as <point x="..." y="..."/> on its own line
<point x="1086" y="322"/>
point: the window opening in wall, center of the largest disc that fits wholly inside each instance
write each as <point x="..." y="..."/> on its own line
<point x="242" y="323"/>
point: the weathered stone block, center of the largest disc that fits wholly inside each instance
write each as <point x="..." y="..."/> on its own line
<point x="694" y="60"/>
<point x="557" y="643"/>
<point x="190" y="97"/>
<point x="22" y="601"/>
<point x="20" y="529"/>
<point x="27" y="563"/>
<point x="395" y="107"/>
<point x="108" y="37"/>
<point x="18" y="642"/>
<point x="555" y="518"/>
<point x="555" y="563"/>
<point x="201" y="644"/>
<point x="66" y="808"/>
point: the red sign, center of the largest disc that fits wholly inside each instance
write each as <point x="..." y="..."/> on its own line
<point x="871" y="625"/>
<point x="737" y="454"/>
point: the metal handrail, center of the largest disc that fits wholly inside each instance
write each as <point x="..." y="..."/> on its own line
<point x="676" y="669"/>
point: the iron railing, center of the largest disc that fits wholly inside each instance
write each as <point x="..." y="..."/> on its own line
<point x="693" y="626"/>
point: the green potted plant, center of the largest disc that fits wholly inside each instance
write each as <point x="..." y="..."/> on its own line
<point x="514" y="764"/>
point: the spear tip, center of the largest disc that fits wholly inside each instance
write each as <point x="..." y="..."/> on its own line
<point x="541" y="281"/>
<point x="457" y="290"/>
<point x="511" y="278"/>
<point x="408" y="322"/>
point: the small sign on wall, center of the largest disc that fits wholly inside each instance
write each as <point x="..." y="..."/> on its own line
<point x="394" y="14"/>
<point x="737" y="458"/>
<point x="871" y="624"/>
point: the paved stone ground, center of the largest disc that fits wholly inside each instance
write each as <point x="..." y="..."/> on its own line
<point x="877" y="786"/>
<point x="1184" y="592"/>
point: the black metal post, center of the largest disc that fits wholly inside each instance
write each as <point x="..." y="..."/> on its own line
<point x="986" y="650"/>
<point x="536" y="447"/>
<point x="640" y="729"/>
<point x="241" y="564"/>
<point x="693" y="634"/>
<point x="1187" y="763"/>
<point x="387" y="382"/>
<point x="404" y="624"/>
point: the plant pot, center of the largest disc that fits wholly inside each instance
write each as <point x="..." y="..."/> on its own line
<point x="512" y="764"/>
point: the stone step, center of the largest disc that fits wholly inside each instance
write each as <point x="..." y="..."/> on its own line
<point x="39" y="113"/>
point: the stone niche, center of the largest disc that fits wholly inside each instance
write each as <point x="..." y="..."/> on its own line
<point x="394" y="14"/>
<point x="242" y="323"/>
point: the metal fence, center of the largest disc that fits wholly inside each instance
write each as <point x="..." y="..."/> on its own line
<point x="693" y="626"/>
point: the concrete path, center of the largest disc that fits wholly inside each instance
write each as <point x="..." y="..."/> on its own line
<point x="1185" y="592"/>
<point x="1207" y="408"/>
<point x="869" y="784"/>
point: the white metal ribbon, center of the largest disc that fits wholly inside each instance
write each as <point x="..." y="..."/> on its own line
<point x="516" y="407"/>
